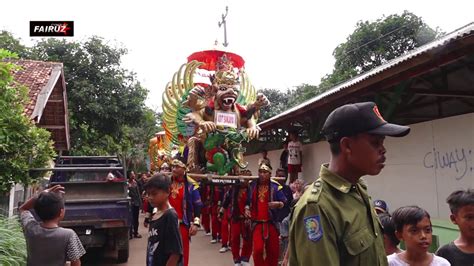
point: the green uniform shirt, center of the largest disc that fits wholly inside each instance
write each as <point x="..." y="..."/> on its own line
<point x="334" y="223"/>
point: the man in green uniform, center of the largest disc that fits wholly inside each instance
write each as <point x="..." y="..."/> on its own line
<point x="334" y="222"/>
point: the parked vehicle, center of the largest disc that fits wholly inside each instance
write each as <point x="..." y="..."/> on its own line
<point x="96" y="199"/>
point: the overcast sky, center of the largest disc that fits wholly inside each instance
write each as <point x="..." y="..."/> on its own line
<point x="284" y="43"/>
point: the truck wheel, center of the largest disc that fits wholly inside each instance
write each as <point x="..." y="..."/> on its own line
<point x="122" y="255"/>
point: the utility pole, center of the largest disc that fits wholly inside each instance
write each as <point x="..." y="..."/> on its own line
<point x="224" y="22"/>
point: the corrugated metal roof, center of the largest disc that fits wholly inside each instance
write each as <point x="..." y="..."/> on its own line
<point x="455" y="35"/>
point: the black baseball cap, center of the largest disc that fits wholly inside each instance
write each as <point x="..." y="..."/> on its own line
<point x="352" y="119"/>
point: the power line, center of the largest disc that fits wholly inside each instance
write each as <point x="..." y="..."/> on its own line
<point x="378" y="38"/>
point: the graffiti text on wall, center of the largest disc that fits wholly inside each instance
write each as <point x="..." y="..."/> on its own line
<point x="458" y="160"/>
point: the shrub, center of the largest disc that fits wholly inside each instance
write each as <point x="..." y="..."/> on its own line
<point x="12" y="242"/>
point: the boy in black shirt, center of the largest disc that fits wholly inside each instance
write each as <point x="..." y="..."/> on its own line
<point x="461" y="250"/>
<point x="164" y="241"/>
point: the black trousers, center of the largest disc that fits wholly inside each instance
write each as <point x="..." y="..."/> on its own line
<point x="135" y="223"/>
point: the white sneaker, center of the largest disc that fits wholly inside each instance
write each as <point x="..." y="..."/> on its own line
<point x="208" y="234"/>
<point x="213" y="241"/>
<point x="223" y="249"/>
<point x="237" y="264"/>
<point x="245" y="263"/>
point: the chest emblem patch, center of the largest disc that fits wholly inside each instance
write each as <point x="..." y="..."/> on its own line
<point x="176" y="189"/>
<point x="262" y="193"/>
<point x="313" y="228"/>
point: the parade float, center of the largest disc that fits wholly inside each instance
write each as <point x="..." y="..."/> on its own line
<point x="156" y="151"/>
<point x="210" y="109"/>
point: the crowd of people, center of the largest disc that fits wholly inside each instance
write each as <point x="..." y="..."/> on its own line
<point x="250" y="218"/>
<point x="329" y="221"/>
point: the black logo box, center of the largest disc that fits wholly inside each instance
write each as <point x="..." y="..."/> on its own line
<point x="51" y="28"/>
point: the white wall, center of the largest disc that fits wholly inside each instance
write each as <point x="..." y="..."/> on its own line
<point x="314" y="155"/>
<point x="423" y="168"/>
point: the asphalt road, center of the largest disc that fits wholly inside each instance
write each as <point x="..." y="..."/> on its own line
<point x="203" y="253"/>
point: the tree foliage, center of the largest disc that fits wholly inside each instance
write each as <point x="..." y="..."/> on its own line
<point x="106" y="103"/>
<point x="22" y="144"/>
<point x="278" y="103"/>
<point x="10" y="43"/>
<point x="372" y="44"/>
<point x="101" y="94"/>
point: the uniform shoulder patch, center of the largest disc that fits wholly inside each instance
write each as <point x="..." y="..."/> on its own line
<point x="314" y="231"/>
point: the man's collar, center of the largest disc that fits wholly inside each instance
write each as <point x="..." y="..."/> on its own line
<point x="335" y="180"/>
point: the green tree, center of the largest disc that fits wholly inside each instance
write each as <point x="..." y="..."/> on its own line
<point x="106" y="102"/>
<point x="370" y="45"/>
<point x="278" y="103"/>
<point x="22" y="144"/>
<point x="134" y="145"/>
<point x="374" y="43"/>
<point x="101" y="94"/>
<point x="302" y="93"/>
<point x="10" y="43"/>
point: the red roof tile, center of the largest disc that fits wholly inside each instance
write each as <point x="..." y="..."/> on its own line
<point x="34" y="75"/>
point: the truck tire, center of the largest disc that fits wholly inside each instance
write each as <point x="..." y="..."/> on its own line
<point x="122" y="255"/>
<point x="122" y="245"/>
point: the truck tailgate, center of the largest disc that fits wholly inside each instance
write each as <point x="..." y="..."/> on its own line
<point x="98" y="214"/>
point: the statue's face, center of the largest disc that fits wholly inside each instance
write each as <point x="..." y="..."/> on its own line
<point x="226" y="96"/>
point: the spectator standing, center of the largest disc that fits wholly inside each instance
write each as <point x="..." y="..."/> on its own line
<point x="380" y="206"/>
<point x="461" y="250"/>
<point x="47" y="243"/>
<point x="295" y="156"/>
<point x="297" y="188"/>
<point x="136" y="204"/>
<point x="284" y="157"/>
<point x="390" y="239"/>
<point x="264" y="159"/>
<point x="140" y="182"/>
<point x="413" y="226"/>
<point x="165" y="246"/>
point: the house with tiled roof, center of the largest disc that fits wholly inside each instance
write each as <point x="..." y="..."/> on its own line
<point x="47" y="105"/>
